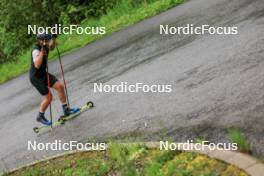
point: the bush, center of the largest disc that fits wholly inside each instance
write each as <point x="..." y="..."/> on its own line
<point x="15" y="17"/>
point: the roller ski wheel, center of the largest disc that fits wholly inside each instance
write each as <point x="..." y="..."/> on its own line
<point x="90" y="104"/>
<point x="36" y="129"/>
<point x="62" y="120"/>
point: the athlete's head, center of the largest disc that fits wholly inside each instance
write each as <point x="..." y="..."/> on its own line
<point x="43" y="39"/>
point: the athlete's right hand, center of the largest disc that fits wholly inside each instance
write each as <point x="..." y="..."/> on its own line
<point x="43" y="51"/>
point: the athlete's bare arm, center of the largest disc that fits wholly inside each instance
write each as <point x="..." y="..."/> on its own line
<point x="52" y="43"/>
<point x="39" y="59"/>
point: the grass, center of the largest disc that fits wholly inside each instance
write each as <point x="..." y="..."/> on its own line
<point x="121" y="16"/>
<point x="236" y="136"/>
<point x="132" y="160"/>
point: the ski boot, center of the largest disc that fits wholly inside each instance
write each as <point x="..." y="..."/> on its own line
<point x="41" y="118"/>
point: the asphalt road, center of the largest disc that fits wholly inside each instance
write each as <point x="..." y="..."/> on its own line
<point x="217" y="83"/>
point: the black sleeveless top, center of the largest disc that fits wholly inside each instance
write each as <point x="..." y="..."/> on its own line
<point x="41" y="71"/>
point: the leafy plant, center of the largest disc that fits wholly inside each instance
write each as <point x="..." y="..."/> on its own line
<point x="237" y="137"/>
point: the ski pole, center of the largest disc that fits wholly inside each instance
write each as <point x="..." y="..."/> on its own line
<point x="49" y="95"/>
<point x="62" y="73"/>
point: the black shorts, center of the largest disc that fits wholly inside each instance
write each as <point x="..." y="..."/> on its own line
<point x="41" y="84"/>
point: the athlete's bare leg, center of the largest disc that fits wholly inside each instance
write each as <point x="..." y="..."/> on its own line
<point x="60" y="90"/>
<point x="45" y="102"/>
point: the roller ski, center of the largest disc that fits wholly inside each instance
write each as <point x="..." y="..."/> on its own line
<point x="68" y="115"/>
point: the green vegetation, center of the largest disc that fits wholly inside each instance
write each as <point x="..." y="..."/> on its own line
<point x="236" y="136"/>
<point x="113" y="14"/>
<point x="16" y="16"/>
<point x="131" y="160"/>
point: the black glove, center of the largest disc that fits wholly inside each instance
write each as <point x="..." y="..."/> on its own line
<point x="54" y="35"/>
<point x="44" y="47"/>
